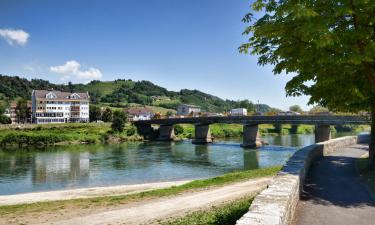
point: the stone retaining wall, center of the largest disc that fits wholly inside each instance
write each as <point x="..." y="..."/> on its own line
<point x="276" y="204"/>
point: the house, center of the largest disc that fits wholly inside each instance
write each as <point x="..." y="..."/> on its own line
<point x="12" y="112"/>
<point x="238" y="112"/>
<point x="185" y="109"/>
<point x="139" y="113"/>
<point x="50" y="106"/>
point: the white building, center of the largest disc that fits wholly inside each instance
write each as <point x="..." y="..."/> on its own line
<point x="185" y="109"/>
<point x="49" y="106"/>
<point x="139" y="113"/>
<point x="238" y="112"/>
<point x="288" y="113"/>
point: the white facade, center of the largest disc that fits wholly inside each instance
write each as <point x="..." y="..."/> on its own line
<point x="238" y="112"/>
<point x="59" y="107"/>
<point x="145" y="116"/>
<point x="288" y="113"/>
<point x="184" y="109"/>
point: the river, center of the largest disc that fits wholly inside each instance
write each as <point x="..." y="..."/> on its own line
<point x="76" y="166"/>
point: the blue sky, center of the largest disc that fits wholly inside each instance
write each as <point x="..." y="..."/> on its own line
<point x="173" y="43"/>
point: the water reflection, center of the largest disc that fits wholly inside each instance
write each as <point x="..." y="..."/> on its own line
<point x="65" y="167"/>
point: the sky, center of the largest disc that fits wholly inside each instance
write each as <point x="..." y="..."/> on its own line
<point x="176" y="44"/>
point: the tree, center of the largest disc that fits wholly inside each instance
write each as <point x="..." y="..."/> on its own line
<point x="327" y="45"/>
<point x="178" y="129"/>
<point x="23" y="113"/>
<point x="95" y="113"/>
<point x="5" y="119"/>
<point x="107" y="115"/>
<point x="169" y="114"/>
<point x="296" y="108"/>
<point x="118" y="122"/>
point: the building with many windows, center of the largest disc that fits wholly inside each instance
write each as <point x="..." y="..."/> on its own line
<point x="49" y="106"/>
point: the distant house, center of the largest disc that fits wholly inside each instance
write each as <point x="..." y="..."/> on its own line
<point x="238" y="112"/>
<point x="288" y="113"/>
<point x="185" y="109"/>
<point x="139" y="113"/>
<point x="50" y="106"/>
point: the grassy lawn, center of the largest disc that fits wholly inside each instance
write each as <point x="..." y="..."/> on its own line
<point x="225" y="214"/>
<point x="116" y="200"/>
<point x="369" y="176"/>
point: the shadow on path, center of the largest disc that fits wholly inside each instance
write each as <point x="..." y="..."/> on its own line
<point x="333" y="192"/>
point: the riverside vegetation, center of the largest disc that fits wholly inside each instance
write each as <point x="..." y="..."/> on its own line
<point x="50" y="134"/>
<point x="91" y="133"/>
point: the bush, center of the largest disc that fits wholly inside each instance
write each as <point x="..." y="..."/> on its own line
<point x="5" y="120"/>
<point x="178" y="129"/>
<point x="130" y="131"/>
<point x="118" y="122"/>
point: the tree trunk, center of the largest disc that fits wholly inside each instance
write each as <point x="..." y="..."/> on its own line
<point x="371" y="158"/>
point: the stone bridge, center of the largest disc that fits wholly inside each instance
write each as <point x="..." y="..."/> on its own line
<point x="250" y="126"/>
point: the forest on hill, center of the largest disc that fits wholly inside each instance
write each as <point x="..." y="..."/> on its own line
<point x="121" y="92"/>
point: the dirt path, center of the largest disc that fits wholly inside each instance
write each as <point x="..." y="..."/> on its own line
<point x="83" y="193"/>
<point x="334" y="193"/>
<point x="150" y="211"/>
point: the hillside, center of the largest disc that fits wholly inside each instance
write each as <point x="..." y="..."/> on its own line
<point x="122" y="92"/>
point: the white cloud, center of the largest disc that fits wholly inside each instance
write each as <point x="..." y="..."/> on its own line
<point x="72" y="69"/>
<point x="18" y="37"/>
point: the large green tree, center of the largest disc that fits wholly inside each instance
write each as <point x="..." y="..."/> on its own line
<point x="329" y="46"/>
<point x="296" y="108"/>
<point x="23" y="112"/>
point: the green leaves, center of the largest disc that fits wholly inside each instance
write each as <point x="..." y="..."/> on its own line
<point x="328" y="44"/>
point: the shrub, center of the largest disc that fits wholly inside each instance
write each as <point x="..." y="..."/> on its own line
<point x="178" y="129"/>
<point x="130" y="131"/>
<point x="118" y="122"/>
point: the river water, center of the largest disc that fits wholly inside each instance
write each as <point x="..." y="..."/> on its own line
<point x="75" y="166"/>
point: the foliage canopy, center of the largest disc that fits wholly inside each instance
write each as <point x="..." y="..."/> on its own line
<point x="328" y="45"/>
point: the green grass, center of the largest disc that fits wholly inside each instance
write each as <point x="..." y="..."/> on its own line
<point x="122" y="199"/>
<point x="236" y="130"/>
<point x="368" y="176"/>
<point x="225" y="214"/>
<point x="49" y="134"/>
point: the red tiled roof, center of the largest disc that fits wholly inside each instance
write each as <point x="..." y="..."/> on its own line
<point x="138" y="110"/>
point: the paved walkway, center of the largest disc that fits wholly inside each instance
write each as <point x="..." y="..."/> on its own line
<point x="334" y="193"/>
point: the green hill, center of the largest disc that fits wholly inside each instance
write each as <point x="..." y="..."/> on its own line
<point x="121" y="93"/>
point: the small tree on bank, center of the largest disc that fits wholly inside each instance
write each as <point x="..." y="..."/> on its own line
<point x="23" y="113"/>
<point x="118" y="122"/>
<point x="107" y="115"/>
<point x="95" y="113"/>
<point x="329" y="45"/>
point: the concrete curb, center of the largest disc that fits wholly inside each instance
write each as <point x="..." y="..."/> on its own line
<point x="276" y="204"/>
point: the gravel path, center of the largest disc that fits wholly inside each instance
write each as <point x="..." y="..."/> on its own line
<point x="149" y="211"/>
<point x="83" y="193"/>
<point x="334" y="193"/>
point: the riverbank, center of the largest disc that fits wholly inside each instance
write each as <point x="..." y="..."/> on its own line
<point x="63" y="134"/>
<point x="94" y="133"/>
<point x="176" y="200"/>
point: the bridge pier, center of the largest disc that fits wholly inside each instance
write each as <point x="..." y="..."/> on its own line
<point x="146" y="131"/>
<point x="322" y="133"/>
<point x="166" y="133"/>
<point x="250" y="136"/>
<point x="278" y="128"/>
<point x="293" y="129"/>
<point x="202" y="134"/>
